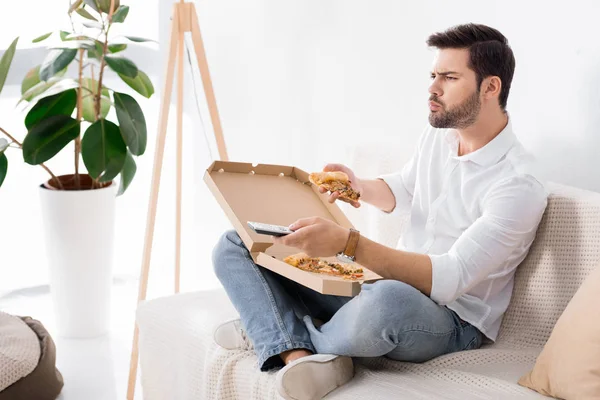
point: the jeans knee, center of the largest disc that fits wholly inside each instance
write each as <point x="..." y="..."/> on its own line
<point x="385" y="292"/>
<point x="228" y="243"/>
<point x="389" y="300"/>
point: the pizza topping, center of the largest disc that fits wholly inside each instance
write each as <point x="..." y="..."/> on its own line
<point x="336" y="181"/>
<point x="316" y="265"/>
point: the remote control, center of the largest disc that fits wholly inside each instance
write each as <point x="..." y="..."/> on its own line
<point x="268" y="229"/>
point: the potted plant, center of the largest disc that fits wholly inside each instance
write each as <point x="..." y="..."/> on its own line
<point x="68" y="103"/>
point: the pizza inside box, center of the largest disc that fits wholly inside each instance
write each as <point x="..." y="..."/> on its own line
<point x="277" y="195"/>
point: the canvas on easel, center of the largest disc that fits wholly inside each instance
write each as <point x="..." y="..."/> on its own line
<point x="184" y="19"/>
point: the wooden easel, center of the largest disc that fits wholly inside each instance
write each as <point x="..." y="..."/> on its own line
<point x="184" y="20"/>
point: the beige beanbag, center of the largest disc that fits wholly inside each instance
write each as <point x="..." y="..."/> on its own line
<point x="27" y="360"/>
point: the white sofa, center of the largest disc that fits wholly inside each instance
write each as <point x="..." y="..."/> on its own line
<point x="180" y="361"/>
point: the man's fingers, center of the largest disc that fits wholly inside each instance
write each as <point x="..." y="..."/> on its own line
<point x="356" y="204"/>
<point x="334" y="196"/>
<point x="303" y="222"/>
<point x="295" y="239"/>
<point x="334" y="167"/>
<point x="322" y="189"/>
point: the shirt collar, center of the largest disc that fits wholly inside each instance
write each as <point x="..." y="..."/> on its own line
<point x="488" y="154"/>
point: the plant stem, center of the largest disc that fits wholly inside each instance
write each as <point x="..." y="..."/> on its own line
<point x="98" y="98"/>
<point x="79" y="114"/>
<point x="58" y="182"/>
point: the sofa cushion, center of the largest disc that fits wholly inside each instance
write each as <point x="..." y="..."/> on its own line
<point x="180" y="360"/>
<point x="569" y="366"/>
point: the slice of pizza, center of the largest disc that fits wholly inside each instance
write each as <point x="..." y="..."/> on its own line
<point x="336" y="181"/>
<point x="319" y="266"/>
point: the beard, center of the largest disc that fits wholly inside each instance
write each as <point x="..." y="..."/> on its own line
<point x="457" y="117"/>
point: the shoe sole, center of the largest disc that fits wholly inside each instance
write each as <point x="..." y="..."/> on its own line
<point x="312" y="380"/>
<point x="238" y="346"/>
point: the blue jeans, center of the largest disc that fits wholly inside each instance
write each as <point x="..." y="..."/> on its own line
<point x="388" y="318"/>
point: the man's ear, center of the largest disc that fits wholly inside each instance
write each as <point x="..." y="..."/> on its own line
<point x="491" y="87"/>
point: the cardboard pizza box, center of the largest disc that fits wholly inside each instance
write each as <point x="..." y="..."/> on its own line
<point x="278" y="195"/>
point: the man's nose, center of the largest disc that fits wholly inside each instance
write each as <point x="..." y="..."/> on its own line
<point x="435" y="88"/>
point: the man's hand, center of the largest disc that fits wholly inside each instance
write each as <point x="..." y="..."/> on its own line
<point x="355" y="183"/>
<point x="317" y="237"/>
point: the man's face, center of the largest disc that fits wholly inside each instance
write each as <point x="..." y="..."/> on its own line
<point x="454" y="96"/>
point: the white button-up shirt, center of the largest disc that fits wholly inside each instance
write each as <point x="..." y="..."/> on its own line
<point x="474" y="215"/>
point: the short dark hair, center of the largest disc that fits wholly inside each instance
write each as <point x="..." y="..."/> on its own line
<point x="490" y="54"/>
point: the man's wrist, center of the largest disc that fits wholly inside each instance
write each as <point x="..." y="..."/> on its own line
<point x="343" y="241"/>
<point x="348" y="253"/>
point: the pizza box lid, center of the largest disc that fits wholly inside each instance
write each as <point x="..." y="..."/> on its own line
<point x="278" y="195"/>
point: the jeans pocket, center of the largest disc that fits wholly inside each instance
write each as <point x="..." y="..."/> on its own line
<point x="472" y="337"/>
<point x="472" y="344"/>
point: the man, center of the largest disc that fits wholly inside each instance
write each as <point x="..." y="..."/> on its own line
<point x="475" y="205"/>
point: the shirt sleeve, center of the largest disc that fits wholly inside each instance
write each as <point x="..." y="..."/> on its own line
<point x="512" y="211"/>
<point x="402" y="183"/>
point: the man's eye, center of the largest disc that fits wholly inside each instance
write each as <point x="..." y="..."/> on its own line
<point x="451" y="78"/>
<point x="432" y="77"/>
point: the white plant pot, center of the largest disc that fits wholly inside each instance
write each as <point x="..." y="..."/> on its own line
<point x="79" y="233"/>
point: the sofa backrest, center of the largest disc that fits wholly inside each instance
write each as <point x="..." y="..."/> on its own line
<point x="565" y="251"/>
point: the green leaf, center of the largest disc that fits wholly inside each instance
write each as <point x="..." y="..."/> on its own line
<point x="127" y="173"/>
<point x="59" y="104"/>
<point x="56" y="61"/>
<point x="121" y="14"/>
<point x="104" y="5"/>
<point x="5" y="62"/>
<point x="41" y="38"/>
<point x="54" y="85"/>
<point x="139" y="39"/>
<point x="3" y="144"/>
<point x="85" y="14"/>
<point x="92" y="24"/>
<point x="4" y="168"/>
<point x="115" y="48"/>
<point x="31" y="79"/>
<point x="97" y="51"/>
<point x="64" y="36"/>
<point x="121" y="65"/>
<point x="93" y="4"/>
<point x="141" y="84"/>
<point x="99" y="47"/>
<point x="76" y="44"/>
<point x="48" y="137"/>
<point x="67" y="37"/>
<point x="88" y="105"/>
<point x="132" y="122"/>
<point x="103" y="150"/>
<point x="38" y="89"/>
<point x="93" y="54"/>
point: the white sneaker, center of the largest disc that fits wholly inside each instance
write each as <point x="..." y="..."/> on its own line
<point x="231" y="336"/>
<point x="312" y="377"/>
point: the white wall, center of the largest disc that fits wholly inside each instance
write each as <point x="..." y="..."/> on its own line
<point x="288" y="73"/>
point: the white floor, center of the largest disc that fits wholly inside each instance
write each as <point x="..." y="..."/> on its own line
<point x="93" y="369"/>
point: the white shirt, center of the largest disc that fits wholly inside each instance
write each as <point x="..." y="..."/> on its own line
<point x="475" y="216"/>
